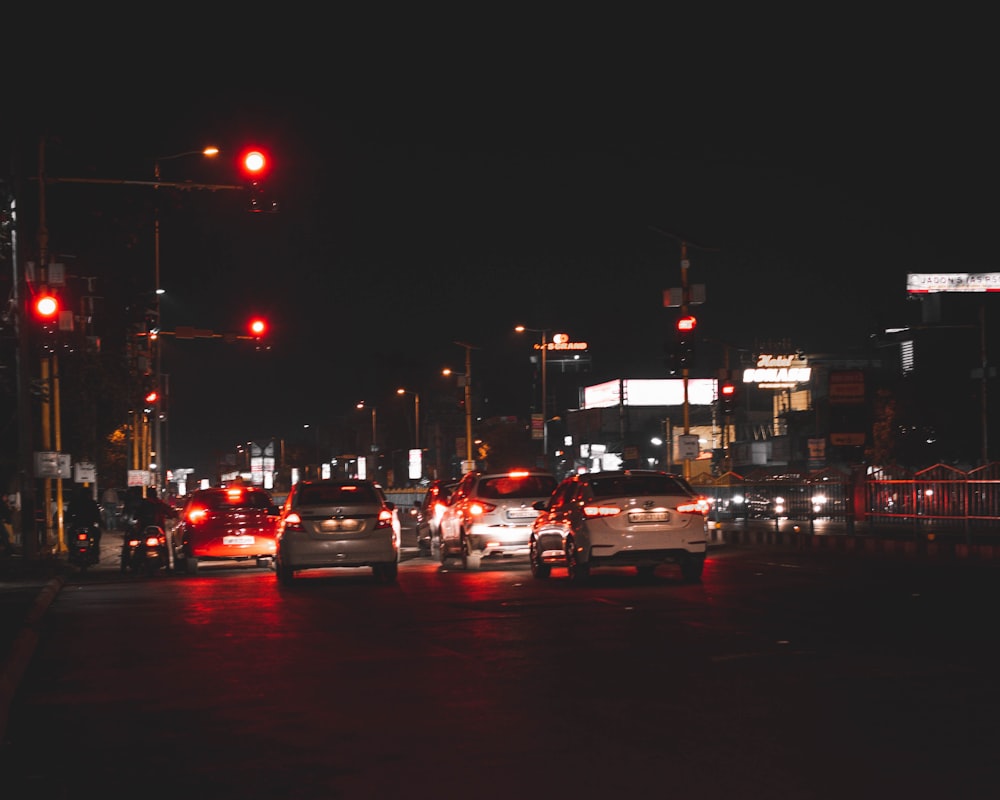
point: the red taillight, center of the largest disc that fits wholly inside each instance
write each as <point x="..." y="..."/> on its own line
<point x="133" y="542"/>
<point x="699" y="506"/>
<point x="479" y="508"/>
<point x="152" y="541"/>
<point x="439" y="510"/>
<point x="292" y="522"/>
<point x="384" y="518"/>
<point x="601" y="511"/>
<point x="82" y="537"/>
<point x="197" y="514"/>
<point x="234" y="496"/>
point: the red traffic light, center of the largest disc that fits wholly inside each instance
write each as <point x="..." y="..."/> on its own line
<point x="152" y="396"/>
<point x="687" y="324"/>
<point x="254" y="163"/>
<point x="727" y="389"/>
<point x="258" y="327"/>
<point x="47" y="307"/>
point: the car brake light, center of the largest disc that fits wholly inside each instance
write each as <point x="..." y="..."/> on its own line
<point x="82" y="537"/>
<point x="152" y="541"/>
<point x="292" y="522"/>
<point x="197" y="514"/>
<point x="518" y="473"/>
<point x="601" y="511"/>
<point x="699" y="506"/>
<point x="234" y="495"/>
<point x="439" y="510"/>
<point x="384" y="518"/>
<point x="478" y="509"/>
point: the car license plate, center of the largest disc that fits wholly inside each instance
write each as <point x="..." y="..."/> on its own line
<point x="649" y="516"/>
<point x="522" y="513"/>
<point x="237" y="540"/>
<point x="333" y="525"/>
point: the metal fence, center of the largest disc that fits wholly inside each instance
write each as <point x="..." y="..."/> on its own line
<point x="942" y="495"/>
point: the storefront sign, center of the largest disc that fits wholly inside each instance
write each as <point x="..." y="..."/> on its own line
<point x="778" y="372"/>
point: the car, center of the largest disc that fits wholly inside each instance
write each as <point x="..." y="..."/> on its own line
<point x="633" y="518"/>
<point x="226" y="523"/>
<point x="338" y="522"/>
<point x="429" y="511"/>
<point x="490" y="515"/>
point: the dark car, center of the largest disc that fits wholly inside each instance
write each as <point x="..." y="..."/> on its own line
<point x="429" y="510"/>
<point x="337" y="523"/>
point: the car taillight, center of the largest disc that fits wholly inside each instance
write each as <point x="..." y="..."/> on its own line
<point x="82" y="537"/>
<point x="478" y="509"/>
<point x="153" y="541"/>
<point x="292" y="522"/>
<point x="133" y="542"/>
<point x="601" y="511"/>
<point x="384" y="518"/>
<point x="439" y="510"/>
<point x="197" y="514"/>
<point x="699" y="506"/>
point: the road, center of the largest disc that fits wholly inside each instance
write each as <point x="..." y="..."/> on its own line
<point x="781" y="675"/>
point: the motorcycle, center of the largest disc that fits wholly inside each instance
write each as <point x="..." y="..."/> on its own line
<point x="146" y="552"/>
<point x="83" y="548"/>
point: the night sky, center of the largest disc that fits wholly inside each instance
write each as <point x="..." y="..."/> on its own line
<point x="432" y="193"/>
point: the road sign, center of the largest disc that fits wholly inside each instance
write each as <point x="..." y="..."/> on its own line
<point x="687" y="445"/>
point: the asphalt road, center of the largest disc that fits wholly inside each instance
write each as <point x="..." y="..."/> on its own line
<point x="784" y="674"/>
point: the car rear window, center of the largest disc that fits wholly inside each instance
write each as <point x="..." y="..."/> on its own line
<point x="636" y="485"/>
<point x="331" y="494"/>
<point x="500" y="487"/>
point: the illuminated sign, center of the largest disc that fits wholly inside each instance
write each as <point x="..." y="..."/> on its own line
<point x="778" y="372"/>
<point x="560" y="341"/>
<point x="652" y="392"/>
<point x="928" y="283"/>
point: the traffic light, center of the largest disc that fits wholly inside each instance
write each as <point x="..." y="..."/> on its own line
<point x="255" y="164"/>
<point x="46" y="308"/>
<point x="727" y="397"/>
<point x="684" y="350"/>
<point x="152" y="396"/>
<point x="258" y="327"/>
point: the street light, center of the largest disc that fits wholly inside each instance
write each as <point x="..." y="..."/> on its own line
<point x="158" y="290"/>
<point x="544" y="348"/>
<point x="469" y="463"/>
<point x="416" y="415"/>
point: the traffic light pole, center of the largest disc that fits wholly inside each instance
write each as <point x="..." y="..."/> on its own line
<point x="685" y="372"/>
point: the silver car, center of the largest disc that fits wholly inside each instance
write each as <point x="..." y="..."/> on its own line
<point x="489" y="515"/>
<point x="632" y="518"/>
<point x="337" y="523"/>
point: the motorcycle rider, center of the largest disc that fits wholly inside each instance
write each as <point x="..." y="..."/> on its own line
<point x="153" y="511"/>
<point x="84" y="511"/>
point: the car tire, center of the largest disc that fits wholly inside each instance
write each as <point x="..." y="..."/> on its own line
<point x="692" y="568"/>
<point x="577" y="571"/>
<point x="442" y="552"/>
<point x="285" y="574"/>
<point x="265" y="562"/>
<point x="539" y="569"/>
<point x="191" y="565"/>
<point x="469" y="560"/>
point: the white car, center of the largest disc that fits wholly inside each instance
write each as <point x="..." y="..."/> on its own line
<point x="490" y="514"/>
<point x="633" y="518"/>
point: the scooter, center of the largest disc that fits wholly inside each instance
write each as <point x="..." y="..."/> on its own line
<point x="146" y="552"/>
<point x="83" y="549"/>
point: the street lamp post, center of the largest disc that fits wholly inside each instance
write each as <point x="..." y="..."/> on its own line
<point x="416" y="415"/>
<point x="158" y="291"/>
<point x="545" y="349"/>
<point x="469" y="464"/>
<point x="374" y="448"/>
